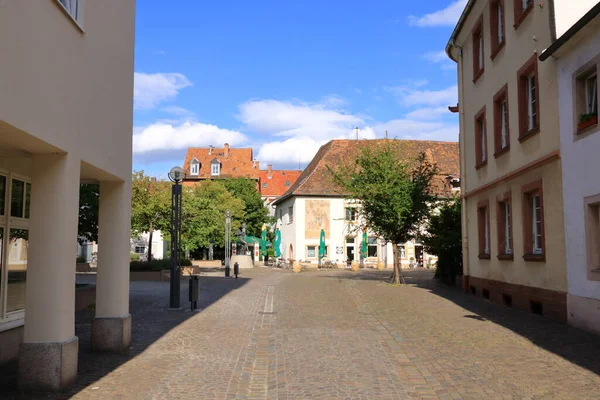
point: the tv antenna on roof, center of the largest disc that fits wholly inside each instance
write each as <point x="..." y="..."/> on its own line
<point x="356" y="133"/>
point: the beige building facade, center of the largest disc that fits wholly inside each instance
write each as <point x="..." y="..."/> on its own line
<point x="511" y="177"/>
<point x="66" y="111"/>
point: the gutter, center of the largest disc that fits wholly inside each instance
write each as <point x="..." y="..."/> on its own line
<point x="571" y="32"/>
<point x="457" y="29"/>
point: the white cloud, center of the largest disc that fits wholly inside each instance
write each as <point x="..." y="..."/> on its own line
<point x="447" y="17"/>
<point x="410" y="96"/>
<point x="179" y="111"/>
<point x="162" y="137"/>
<point x="294" y="119"/>
<point x="436" y="56"/>
<point x="152" y="89"/>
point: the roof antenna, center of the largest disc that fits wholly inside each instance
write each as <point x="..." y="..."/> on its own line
<point x="357" y="133"/>
<point x="386" y="134"/>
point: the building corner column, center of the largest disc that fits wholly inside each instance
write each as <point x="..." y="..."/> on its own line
<point x="48" y="354"/>
<point x="111" y="328"/>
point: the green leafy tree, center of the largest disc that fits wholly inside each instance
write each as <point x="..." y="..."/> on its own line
<point x="89" y="203"/>
<point x="256" y="213"/>
<point x="203" y="214"/>
<point x="394" y="194"/>
<point x="150" y="206"/>
<point x="443" y="239"/>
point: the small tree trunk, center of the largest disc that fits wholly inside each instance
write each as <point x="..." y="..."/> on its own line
<point x="396" y="276"/>
<point x="150" y="234"/>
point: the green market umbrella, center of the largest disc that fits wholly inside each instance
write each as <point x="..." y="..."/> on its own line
<point x="277" y="243"/>
<point x="322" y="248"/>
<point x="364" y="245"/>
<point x="263" y="241"/>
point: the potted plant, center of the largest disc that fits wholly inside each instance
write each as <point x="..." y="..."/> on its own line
<point x="587" y="120"/>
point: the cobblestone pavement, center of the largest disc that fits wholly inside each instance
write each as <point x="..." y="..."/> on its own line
<point x="336" y="335"/>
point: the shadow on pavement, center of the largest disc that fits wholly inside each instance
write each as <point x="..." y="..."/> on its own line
<point x="151" y="319"/>
<point x="577" y="346"/>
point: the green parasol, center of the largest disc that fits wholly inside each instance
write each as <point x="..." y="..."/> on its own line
<point x="364" y="250"/>
<point x="322" y="248"/>
<point x="263" y="241"/>
<point x="277" y="243"/>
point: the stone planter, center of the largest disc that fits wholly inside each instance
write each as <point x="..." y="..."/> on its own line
<point x="355" y="266"/>
<point x="83" y="267"/>
<point x="297" y="267"/>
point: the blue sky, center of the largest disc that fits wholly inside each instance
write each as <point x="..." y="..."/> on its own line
<point x="285" y="77"/>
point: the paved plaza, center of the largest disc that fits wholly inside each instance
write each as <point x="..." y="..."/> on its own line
<point x="273" y="334"/>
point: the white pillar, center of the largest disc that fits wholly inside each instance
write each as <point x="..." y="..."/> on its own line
<point x="48" y="357"/>
<point x="111" y="329"/>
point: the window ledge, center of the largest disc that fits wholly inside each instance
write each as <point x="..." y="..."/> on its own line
<point x="481" y="164"/>
<point x="585" y="131"/>
<point x="508" y="257"/>
<point x="529" y="134"/>
<point x="523" y="15"/>
<point x="534" y="257"/>
<point x="484" y="256"/>
<point x="478" y="75"/>
<point x="68" y="14"/>
<point x="497" y="49"/>
<point x="502" y="151"/>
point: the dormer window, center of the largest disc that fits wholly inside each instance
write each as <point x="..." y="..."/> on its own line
<point x="194" y="167"/>
<point x="215" y="167"/>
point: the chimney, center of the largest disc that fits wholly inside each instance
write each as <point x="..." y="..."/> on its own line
<point x="270" y="171"/>
<point x="226" y="147"/>
<point x="256" y="164"/>
<point x="210" y="149"/>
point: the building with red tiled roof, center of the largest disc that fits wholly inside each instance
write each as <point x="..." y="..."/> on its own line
<point x="220" y="163"/>
<point x="314" y="203"/>
<point x="274" y="183"/>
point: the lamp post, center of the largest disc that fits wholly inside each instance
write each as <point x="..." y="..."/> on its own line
<point x="176" y="175"/>
<point x="227" y="242"/>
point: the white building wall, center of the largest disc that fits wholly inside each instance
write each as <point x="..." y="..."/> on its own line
<point x="580" y="166"/>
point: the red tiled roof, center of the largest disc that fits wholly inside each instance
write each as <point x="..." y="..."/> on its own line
<point x="316" y="179"/>
<point x="274" y="183"/>
<point x="235" y="163"/>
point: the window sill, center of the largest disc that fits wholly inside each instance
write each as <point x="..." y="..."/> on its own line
<point x="483" y="256"/>
<point x="481" y="165"/>
<point x="535" y="257"/>
<point x="497" y="50"/>
<point x="586" y="131"/>
<point x="529" y="134"/>
<point x="68" y="14"/>
<point x="519" y="20"/>
<point x="477" y="75"/>
<point x="502" y="151"/>
<point x="507" y="257"/>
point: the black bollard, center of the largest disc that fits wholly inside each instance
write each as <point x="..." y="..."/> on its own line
<point x="194" y="291"/>
<point x="227" y="271"/>
<point x="236" y="269"/>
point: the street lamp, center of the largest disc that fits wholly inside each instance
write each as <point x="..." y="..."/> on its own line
<point x="176" y="175"/>
<point x="227" y="242"/>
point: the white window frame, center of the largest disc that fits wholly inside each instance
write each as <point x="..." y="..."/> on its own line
<point x="507" y="229"/>
<point x="9" y="320"/>
<point x="480" y="55"/>
<point x="504" y="124"/>
<point x="591" y="99"/>
<point x="194" y="167"/>
<point x="215" y="169"/>
<point x="537" y="235"/>
<point x="532" y="100"/>
<point x="369" y="245"/>
<point x="74" y="9"/>
<point x="525" y="4"/>
<point x="315" y="250"/>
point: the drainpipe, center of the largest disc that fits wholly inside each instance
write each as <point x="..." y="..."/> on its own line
<point x="463" y="169"/>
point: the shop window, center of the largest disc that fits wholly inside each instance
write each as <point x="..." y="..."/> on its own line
<point x="16" y="269"/>
<point x="372" y="247"/>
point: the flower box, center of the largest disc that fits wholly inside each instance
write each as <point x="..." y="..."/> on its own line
<point x="586" y="121"/>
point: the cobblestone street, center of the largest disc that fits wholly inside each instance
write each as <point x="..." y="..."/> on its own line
<point x="335" y="335"/>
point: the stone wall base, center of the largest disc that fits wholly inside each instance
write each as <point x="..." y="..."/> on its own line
<point x="111" y="334"/>
<point x="584" y="313"/>
<point x="48" y="366"/>
<point x="545" y="302"/>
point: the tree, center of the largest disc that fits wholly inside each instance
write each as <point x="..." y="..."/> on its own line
<point x="443" y="238"/>
<point x="150" y="206"/>
<point x="203" y="214"/>
<point x="256" y="213"/>
<point x="395" y="195"/>
<point x="89" y="202"/>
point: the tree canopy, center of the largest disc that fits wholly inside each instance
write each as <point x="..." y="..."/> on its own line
<point x="89" y="196"/>
<point x="256" y="213"/>
<point x="394" y="194"/>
